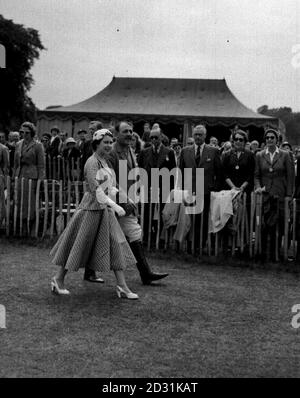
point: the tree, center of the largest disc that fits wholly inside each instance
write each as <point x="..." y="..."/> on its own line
<point x="288" y="117"/>
<point x="23" y="46"/>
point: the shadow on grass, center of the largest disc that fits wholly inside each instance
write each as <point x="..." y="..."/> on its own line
<point x="209" y="318"/>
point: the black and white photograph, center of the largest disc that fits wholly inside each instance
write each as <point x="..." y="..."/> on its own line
<point x="149" y="192"/>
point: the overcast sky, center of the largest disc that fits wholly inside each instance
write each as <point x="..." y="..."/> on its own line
<point x="249" y="42"/>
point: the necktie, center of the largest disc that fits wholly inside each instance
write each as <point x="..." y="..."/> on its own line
<point x="129" y="160"/>
<point x="198" y="156"/>
<point x="155" y="157"/>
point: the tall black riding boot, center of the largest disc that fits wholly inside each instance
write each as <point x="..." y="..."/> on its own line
<point x="147" y="275"/>
<point x="91" y="276"/>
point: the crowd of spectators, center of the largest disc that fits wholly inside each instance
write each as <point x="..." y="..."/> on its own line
<point x="238" y="163"/>
<point x="59" y="144"/>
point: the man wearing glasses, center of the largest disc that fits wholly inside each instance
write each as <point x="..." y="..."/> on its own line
<point x="129" y="223"/>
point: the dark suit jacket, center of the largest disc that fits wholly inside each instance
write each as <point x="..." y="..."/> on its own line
<point x="277" y="177"/>
<point x="86" y="151"/>
<point x="115" y="156"/>
<point x="210" y="162"/>
<point x="239" y="170"/>
<point x="54" y="147"/>
<point x="165" y="158"/>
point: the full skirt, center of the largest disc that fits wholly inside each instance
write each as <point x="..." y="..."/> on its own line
<point x="94" y="239"/>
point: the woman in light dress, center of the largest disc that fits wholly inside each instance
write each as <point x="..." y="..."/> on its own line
<point x="93" y="236"/>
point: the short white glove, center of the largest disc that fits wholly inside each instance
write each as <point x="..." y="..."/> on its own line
<point x="113" y="191"/>
<point x="118" y="209"/>
<point x="104" y="199"/>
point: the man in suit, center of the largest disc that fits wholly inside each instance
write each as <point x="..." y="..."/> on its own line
<point x="146" y="133"/>
<point x="63" y="137"/>
<point x="54" y="142"/>
<point x="129" y="223"/>
<point x="201" y="155"/>
<point x="157" y="156"/>
<point x="81" y="134"/>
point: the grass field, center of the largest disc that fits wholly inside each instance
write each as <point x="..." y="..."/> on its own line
<point x="205" y="320"/>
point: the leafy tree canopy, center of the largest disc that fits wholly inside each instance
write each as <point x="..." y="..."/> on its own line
<point x="288" y="117"/>
<point x="23" y="46"/>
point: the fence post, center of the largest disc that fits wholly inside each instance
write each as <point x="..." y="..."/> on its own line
<point x="142" y="196"/>
<point x="78" y="169"/>
<point x="209" y="236"/>
<point x="158" y="221"/>
<point x="294" y="227"/>
<point x="16" y="202"/>
<point x="84" y="187"/>
<point x="76" y="194"/>
<point x="21" y="206"/>
<point x="46" y="207"/>
<point x="150" y="220"/>
<point x="193" y="234"/>
<point x="53" y="210"/>
<point x="29" y="206"/>
<point x="286" y="228"/>
<point x="69" y="201"/>
<point x="64" y="170"/>
<point x="72" y="170"/>
<point x="58" y="167"/>
<point x="257" y="243"/>
<point x="252" y="211"/>
<point x="243" y="223"/>
<point x="54" y="168"/>
<point x="37" y="208"/>
<point x="50" y="168"/>
<point x="201" y="234"/>
<point x="260" y="224"/>
<point x="61" y="217"/>
<point x="8" y="187"/>
<point x="216" y="244"/>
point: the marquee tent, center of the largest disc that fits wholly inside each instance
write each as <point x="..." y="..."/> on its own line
<point x="184" y="102"/>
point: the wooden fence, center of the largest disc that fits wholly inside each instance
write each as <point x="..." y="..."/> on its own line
<point x="55" y="201"/>
<point x="59" y="168"/>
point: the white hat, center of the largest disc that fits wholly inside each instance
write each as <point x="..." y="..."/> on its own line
<point x="99" y="134"/>
<point x="70" y="140"/>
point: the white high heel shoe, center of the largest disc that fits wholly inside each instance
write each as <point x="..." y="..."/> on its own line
<point x="56" y="289"/>
<point x="122" y="294"/>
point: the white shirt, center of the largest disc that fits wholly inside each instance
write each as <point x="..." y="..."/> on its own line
<point x="272" y="154"/>
<point x="156" y="150"/>
<point x="52" y="139"/>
